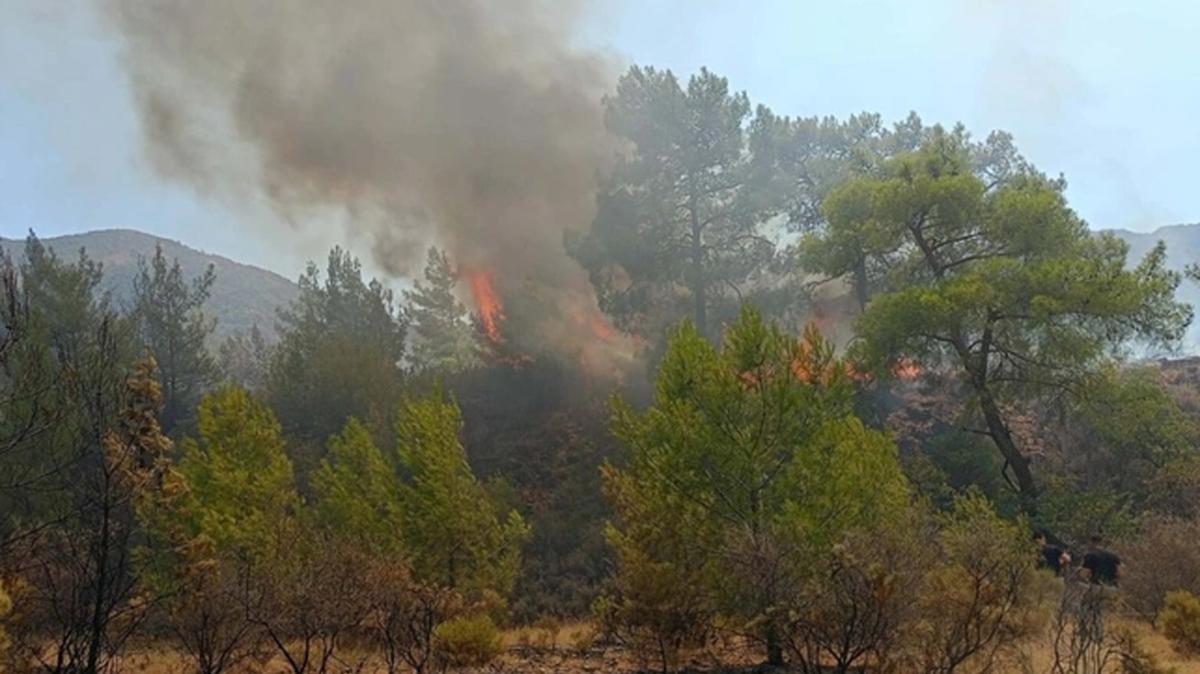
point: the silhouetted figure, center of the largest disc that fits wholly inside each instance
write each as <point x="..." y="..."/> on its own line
<point x="1103" y="566"/>
<point x="1054" y="557"/>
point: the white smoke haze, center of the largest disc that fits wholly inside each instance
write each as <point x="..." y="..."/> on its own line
<point x="473" y="124"/>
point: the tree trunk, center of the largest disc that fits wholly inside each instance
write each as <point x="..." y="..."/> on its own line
<point x="699" y="289"/>
<point x="862" y="291"/>
<point x="1007" y="446"/>
<point x="774" y="646"/>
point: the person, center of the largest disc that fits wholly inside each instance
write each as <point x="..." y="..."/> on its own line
<point x="1054" y="557"/>
<point x="1103" y="565"/>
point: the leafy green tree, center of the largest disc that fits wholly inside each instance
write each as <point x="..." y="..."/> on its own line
<point x="455" y="534"/>
<point x="340" y="355"/>
<point x="808" y="158"/>
<point x="749" y="462"/>
<point x="241" y="480"/>
<point x="357" y="492"/>
<point x="441" y="335"/>
<point x="680" y="226"/>
<point x="170" y="323"/>
<point x="1004" y="287"/>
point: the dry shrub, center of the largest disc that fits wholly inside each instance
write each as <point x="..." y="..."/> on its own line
<point x="1162" y="558"/>
<point x="404" y="616"/>
<point x="468" y="641"/>
<point x="70" y="620"/>
<point x="210" y="617"/>
<point x="1081" y="641"/>
<point x="311" y="605"/>
<point x="982" y="598"/>
<point x="654" y="614"/>
<point x="546" y="631"/>
<point x="1179" y="621"/>
<point x="854" y="610"/>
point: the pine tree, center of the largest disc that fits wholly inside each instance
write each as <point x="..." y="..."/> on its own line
<point x="679" y="228"/>
<point x="456" y="536"/>
<point x="172" y="326"/>
<point x="748" y="463"/>
<point x="441" y="335"/>
<point x="358" y="493"/>
<point x="340" y="355"/>
<point x="245" y="358"/>
<point x="241" y="481"/>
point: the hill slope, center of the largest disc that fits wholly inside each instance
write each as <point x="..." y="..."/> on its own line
<point x="242" y="295"/>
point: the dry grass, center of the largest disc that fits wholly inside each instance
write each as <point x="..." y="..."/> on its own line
<point x="1151" y="640"/>
<point x="570" y="647"/>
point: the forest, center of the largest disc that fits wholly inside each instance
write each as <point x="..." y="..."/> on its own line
<point x="842" y="395"/>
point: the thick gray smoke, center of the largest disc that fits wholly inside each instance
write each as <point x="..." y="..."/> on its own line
<point x="470" y="123"/>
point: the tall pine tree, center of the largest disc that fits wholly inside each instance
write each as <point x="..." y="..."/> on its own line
<point x="357" y="492"/>
<point x="441" y="336"/>
<point x="172" y="326"/>
<point x="340" y="355"/>
<point x="456" y="535"/>
<point x="242" y="484"/>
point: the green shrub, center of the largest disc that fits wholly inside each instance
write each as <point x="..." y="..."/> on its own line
<point x="470" y="641"/>
<point x="1179" y="621"/>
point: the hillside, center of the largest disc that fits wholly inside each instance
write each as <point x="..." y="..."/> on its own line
<point x="242" y="296"/>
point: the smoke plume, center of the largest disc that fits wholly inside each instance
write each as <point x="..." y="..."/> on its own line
<point x="474" y="124"/>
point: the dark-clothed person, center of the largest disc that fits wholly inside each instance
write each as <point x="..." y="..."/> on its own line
<point x="1103" y="566"/>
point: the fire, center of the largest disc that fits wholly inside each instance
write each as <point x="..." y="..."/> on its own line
<point x="907" y="369"/>
<point x="487" y="302"/>
<point x="601" y="329"/>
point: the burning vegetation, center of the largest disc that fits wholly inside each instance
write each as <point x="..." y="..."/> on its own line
<point x="726" y="387"/>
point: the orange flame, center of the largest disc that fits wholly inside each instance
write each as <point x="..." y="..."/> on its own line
<point x="907" y="369"/>
<point x="487" y="302"/>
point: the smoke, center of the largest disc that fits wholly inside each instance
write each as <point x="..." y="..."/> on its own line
<point x="474" y="124"/>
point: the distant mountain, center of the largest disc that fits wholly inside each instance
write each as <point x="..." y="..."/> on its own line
<point x="242" y="296"/>
<point x="245" y="295"/>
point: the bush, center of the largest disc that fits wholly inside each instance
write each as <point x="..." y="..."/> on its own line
<point x="1179" y="621"/>
<point x="470" y="641"/>
<point x="856" y="607"/>
<point x="1163" y="557"/>
<point x="404" y="617"/>
<point x="1135" y="658"/>
<point x="983" y="598"/>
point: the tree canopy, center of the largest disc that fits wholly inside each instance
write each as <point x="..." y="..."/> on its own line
<point x="1004" y="286"/>
<point x="170" y="323"/>
<point x="680" y="226"/>
<point x="749" y="462"/>
<point x="440" y="331"/>
<point x="340" y="354"/>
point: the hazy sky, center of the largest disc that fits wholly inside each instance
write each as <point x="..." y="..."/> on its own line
<point x="1106" y="92"/>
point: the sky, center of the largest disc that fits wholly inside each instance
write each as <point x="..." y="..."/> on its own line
<point x="1104" y="92"/>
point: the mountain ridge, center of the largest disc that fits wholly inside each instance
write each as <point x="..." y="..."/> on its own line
<point x="243" y="295"/>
